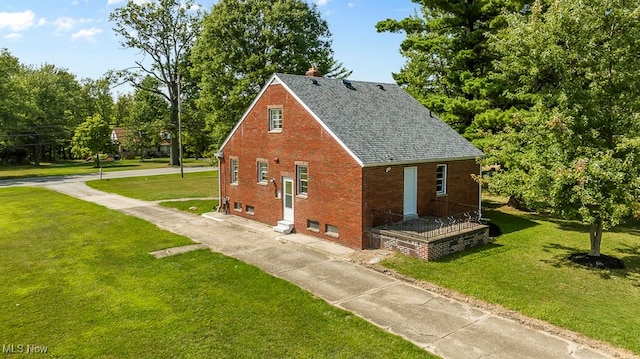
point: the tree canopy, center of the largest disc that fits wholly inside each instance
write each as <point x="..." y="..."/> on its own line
<point x="449" y="63"/>
<point x="92" y="137"/>
<point x="164" y="31"/>
<point x="243" y="42"/>
<point x="576" y="152"/>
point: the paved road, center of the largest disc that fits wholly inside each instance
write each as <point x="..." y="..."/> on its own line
<point x="443" y="326"/>
<point x="44" y="181"/>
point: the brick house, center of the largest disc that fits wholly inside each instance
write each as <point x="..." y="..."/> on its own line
<point x="322" y="156"/>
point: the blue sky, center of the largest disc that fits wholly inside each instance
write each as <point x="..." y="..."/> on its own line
<point x="77" y="35"/>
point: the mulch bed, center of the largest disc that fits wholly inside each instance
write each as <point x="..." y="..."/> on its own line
<point x="599" y="262"/>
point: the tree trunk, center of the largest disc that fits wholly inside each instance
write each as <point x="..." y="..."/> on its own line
<point x="175" y="151"/>
<point x="595" y="233"/>
<point x="97" y="159"/>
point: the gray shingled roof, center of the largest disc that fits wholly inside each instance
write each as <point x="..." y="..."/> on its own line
<point x="379" y="125"/>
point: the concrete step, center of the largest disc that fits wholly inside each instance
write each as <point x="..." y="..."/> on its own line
<point x="284" y="227"/>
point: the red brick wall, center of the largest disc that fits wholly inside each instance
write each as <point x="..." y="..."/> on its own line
<point x="384" y="187"/>
<point x="334" y="187"/>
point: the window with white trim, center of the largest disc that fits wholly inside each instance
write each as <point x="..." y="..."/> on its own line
<point x="275" y="119"/>
<point x="331" y="230"/>
<point x="263" y="172"/>
<point x="313" y="226"/>
<point x="233" y="170"/>
<point x="441" y="180"/>
<point x="302" y="176"/>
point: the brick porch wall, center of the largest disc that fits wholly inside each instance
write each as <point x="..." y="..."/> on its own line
<point x="431" y="250"/>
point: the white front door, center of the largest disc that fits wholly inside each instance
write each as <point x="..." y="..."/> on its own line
<point x="410" y="192"/>
<point x="287" y="199"/>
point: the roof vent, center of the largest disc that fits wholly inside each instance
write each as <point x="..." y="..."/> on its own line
<point x="348" y="84"/>
<point x="313" y="72"/>
<point x="315" y="82"/>
<point x="381" y="87"/>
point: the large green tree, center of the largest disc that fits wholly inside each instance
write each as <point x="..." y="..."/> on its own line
<point x="147" y="118"/>
<point x="576" y="153"/>
<point x="93" y="136"/>
<point x="448" y="63"/>
<point x="244" y="42"/>
<point x="164" y="31"/>
<point x="52" y="111"/>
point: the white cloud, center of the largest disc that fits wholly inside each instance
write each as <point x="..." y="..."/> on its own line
<point x="17" y="21"/>
<point x="322" y="2"/>
<point x="351" y="5"/>
<point x="66" y="24"/>
<point x="42" y="21"/>
<point x="63" y="24"/>
<point x="86" y="34"/>
<point x="13" y="36"/>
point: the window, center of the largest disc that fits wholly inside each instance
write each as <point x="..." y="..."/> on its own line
<point x="263" y="172"/>
<point x="237" y="206"/>
<point x="250" y="210"/>
<point x="303" y="179"/>
<point x="313" y="225"/>
<point x="331" y="230"/>
<point x="234" y="170"/>
<point x="275" y="119"/>
<point x="441" y="180"/>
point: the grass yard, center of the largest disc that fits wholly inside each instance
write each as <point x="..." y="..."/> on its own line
<point x="78" y="280"/>
<point x="526" y="270"/>
<point x="201" y="205"/>
<point x="79" y="167"/>
<point x="155" y="188"/>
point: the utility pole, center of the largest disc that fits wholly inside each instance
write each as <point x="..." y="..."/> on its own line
<point x="180" y="127"/>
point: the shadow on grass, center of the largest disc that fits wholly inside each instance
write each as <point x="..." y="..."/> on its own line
<point x="508" y="223"/>
<point x="560" y="258"/>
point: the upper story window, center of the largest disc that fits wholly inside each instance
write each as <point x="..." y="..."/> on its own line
<point x="233" y="170"/>
<point x="441" y="180"/>
<point x="263" y="172"/>
<point x="275" y="119"/>
<point x="302" y="179"/>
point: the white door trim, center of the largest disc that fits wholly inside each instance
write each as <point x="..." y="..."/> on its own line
<point x="287" y="199"/>
<point x="410" y="204"/>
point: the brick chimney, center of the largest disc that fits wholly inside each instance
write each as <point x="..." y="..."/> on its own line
<point x="313" y="72"/>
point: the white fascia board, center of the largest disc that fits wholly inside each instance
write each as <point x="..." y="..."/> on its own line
<point x="273" y="80"/>
<point x="324" y="126"/>
<point x="413" y="162"/>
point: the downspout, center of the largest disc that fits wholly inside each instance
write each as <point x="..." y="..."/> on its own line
<point x="218" y="155"/>
<point x="480" y="194"/>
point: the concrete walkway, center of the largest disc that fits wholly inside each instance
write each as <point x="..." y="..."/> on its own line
<point x="443" y="326"/>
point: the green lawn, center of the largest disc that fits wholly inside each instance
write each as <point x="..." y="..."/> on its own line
<point x="526" y="270"/>
<point x="81" y="167"/>
<point x="154" y="188"/>
<point x="78" y="279"/>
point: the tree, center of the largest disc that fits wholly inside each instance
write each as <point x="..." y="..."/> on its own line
<point x="97" y="98"/>
<point x="448" y="61"/>
<point x="164" y="30"/>
<point x="51" y="111"/>
<point x="92" y="137"/>
<point x="244" y="42"/>
<point x="576" y="152"/>
<point x="147" y="117"/>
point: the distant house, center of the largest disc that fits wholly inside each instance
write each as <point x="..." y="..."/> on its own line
<point x="161" y="148"/>
<point x="119" y="136"/>
<point x="338" y="159"/>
